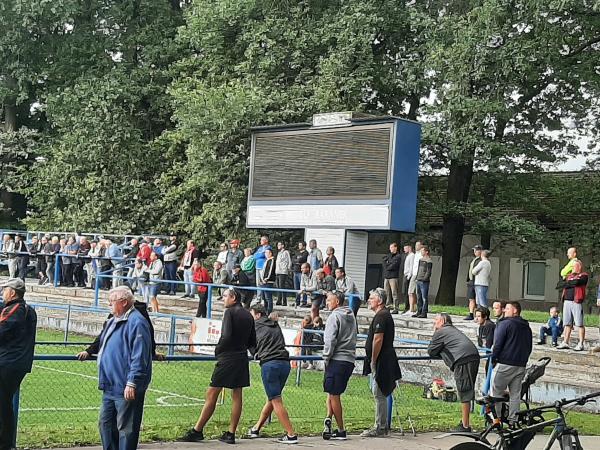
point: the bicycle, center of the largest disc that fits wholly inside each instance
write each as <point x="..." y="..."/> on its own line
<point x="528" y="422"/>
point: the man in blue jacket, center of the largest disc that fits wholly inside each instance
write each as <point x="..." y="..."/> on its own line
<point x="17" y="340"/>
<point x="124" y="372"/>
<point x="510" y="353"/>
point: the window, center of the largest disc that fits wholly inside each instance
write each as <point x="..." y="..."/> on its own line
<point x="534" y="286"/>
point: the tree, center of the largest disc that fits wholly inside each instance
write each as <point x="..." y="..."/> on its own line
<point x="101" y="165"/>
<point x="259" y="62"/>
<point x="505" y="75"/>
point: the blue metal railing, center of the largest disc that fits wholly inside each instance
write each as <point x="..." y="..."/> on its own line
<point x="208" y="358"/>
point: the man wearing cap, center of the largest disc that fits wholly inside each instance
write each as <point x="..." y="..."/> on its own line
<point x="381" y="361"/>
<point x="17" y="340"/>
<point x="471" y="281"/>
<point x="234" y="255"/>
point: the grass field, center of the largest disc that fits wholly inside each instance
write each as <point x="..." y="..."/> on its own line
<point x="591" y="320"/>
<point x="60" y="399"/>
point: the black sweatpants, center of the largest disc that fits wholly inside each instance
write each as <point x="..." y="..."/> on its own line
<point x="202" y="299"/>
<point x="10" y="380"/>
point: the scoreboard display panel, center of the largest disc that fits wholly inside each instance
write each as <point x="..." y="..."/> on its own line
<point x="358" y="175"/>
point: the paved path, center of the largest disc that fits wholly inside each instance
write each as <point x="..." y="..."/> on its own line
<point x="425" y="441"/>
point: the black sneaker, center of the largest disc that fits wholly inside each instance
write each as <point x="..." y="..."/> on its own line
<point x="253" y="434"/>
<point x="461" y="429"/>
<point x="227" y="437"/>
<point x="540" y="343"/>
<point x="469" y="317"/>
<point x="285" y="439"/>
<point x="339" y="435"/>
<point x="192" y="436"/>
<point x="327" y="428"/>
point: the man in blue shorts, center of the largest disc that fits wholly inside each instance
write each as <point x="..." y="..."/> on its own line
<point x="274" y="369"/>
<point x="339" y="354"/>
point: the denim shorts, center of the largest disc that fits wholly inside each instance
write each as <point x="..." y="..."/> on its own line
<point x="153" y="289"/>
<point x="336" y="377"/>
<point x="274" y="376"/>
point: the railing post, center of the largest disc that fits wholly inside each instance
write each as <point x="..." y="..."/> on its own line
<point x="56" y="270"/>
<point x="209" y="302"/>
<point x="300" y="361"/>
<point x="67" y="324"/>
<point x="172" y="335"/>
<point x="390" y="403"/>
<point x="97" y="290"/>
<point x="16" y="399"/>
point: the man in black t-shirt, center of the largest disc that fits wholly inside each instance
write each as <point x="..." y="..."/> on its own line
<point x="231" y="371"/>
<point x="381" y="361"/>
<point x="485" y="331"/>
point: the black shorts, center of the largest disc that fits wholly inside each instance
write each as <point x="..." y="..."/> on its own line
<point x="464" y="376"/>
<point x="231" y="373"/>
<point x="337" y="374"/>
<point x="470" y="291"/>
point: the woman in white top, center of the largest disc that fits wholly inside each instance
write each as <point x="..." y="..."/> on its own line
<point x="482" y="272"/>
<point x="222" y="256"/>
<point x="155" y="272"/>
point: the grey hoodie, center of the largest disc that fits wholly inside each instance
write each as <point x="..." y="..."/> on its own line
<point x="340" y="336"/>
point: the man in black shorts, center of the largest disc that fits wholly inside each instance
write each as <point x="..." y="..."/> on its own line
<point x="462" y="357"/>
<point x="231" y="371"/>
<point x="339" y="354"/>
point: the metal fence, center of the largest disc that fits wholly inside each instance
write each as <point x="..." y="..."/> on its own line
<point x="59" y="401"/>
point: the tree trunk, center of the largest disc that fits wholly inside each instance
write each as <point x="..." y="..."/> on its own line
<point x="459" y="185"/>
<point x="489" y="195"/>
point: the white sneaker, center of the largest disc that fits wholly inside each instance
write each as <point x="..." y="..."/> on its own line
<point x="563" y="346"/>
<point x="579" y="347"/>
<point x="407" y="313"/>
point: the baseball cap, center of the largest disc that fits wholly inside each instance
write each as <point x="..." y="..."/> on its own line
<point x="477" y="247"/>
<point x="14" y="283"/>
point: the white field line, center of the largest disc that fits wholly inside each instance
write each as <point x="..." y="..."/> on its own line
<point x="97" y="408"/>
<point x="158" y="391"/>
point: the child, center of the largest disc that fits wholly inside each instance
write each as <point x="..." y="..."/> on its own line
<point x="554" y="327"/>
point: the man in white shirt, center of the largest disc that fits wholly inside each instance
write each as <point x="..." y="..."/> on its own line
<point x="409" y="257"/>
<point x="413" y="292"/>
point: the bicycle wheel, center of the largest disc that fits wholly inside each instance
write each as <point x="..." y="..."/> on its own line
<point x="471" y="446"/>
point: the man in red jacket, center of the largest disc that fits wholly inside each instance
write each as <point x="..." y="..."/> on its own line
<point x="573" y="297"/>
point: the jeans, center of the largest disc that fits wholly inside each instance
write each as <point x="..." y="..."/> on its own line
<point x="282" y="283"/>
<point x="381" y="405"/>
<point x="481" y="295"/>
<point x="268" y="299"/>
<point x="423" y="298"/>
<point x="297" y="279"/>
<point x="260" y="295"/>
<point x="50" y="272"/>
<point x="13" y="267"/>
<point x="171" y="275"/>
<point x="555" y="332"/>
<point x="188" y="277"/>
<point x="404" y="290"/>
<point x="10" y="380"/>
<point x="120" y="422"/>
<point x="67" y="275"/>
